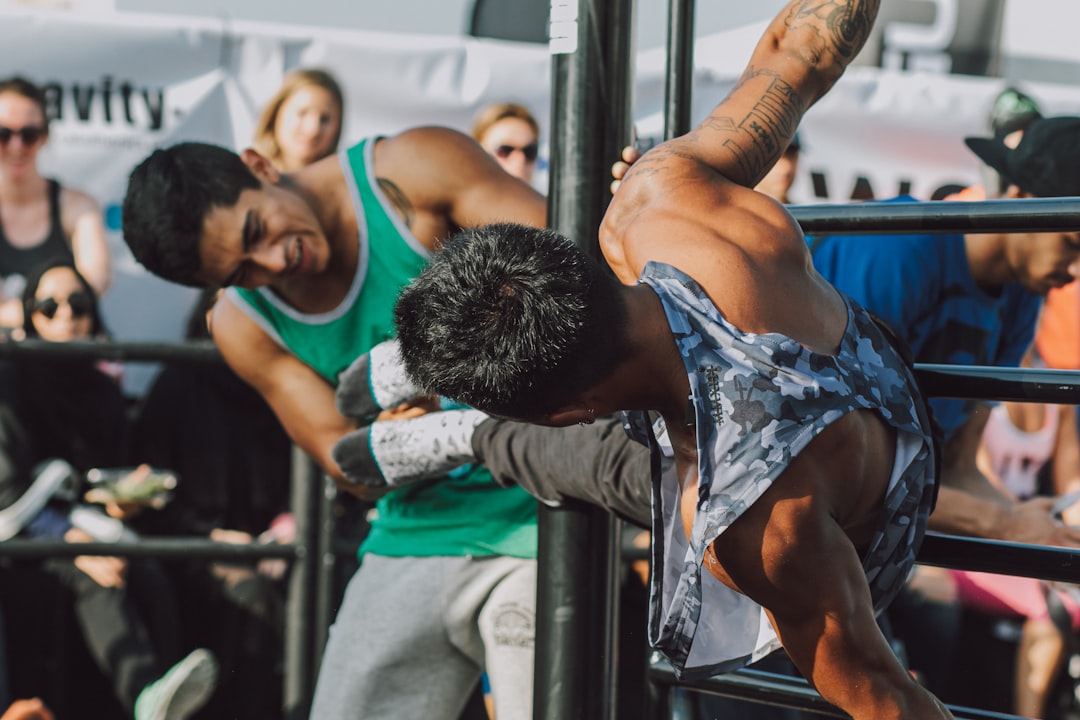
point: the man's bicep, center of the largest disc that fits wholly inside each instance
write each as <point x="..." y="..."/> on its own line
<point x="459" y="178"/>
<point x="497" y="197"/>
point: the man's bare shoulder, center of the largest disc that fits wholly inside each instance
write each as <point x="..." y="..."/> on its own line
<point x="429" y="164"/>
<point x="76" y="201"/>
<point x="698" y="212"/>
<point x="245" y="346"/>
<point x="425" y="145"/>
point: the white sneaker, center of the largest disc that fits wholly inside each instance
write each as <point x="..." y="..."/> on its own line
<point x="181" y="691"/>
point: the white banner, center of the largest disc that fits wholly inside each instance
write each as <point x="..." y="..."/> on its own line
<point x="122" y="84"/>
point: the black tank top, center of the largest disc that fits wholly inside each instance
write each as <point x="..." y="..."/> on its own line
<point x="17" y="263"/>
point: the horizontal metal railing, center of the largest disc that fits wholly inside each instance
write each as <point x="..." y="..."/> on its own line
<point x="309" y="581"/>
<point x="974" y="382"/>
<point x="168" y="548"/>
<point x="778" y="690"/>
<point x="1026" y="215"/>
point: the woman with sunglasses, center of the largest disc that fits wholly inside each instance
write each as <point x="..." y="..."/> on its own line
<point x="66" y="418"/>
<point x="39" y="219"/>
<point x="510" y="134"/>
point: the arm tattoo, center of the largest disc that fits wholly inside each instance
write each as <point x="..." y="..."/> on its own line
<point x="398" y="199"/>
<point x="755" y="140"/>
<point x="831" y="33"/>
<point x="843" y="25"/>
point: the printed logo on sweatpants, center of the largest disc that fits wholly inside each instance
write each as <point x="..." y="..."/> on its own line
<point x="514" y="626"/>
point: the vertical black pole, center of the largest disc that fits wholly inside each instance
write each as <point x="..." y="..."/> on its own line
<point x="679" y="81"/>
<point x="577" y="608"/>
<point x="299" y="678"/>
<point x="678" y="94"/>
<point x="323" y="593"/>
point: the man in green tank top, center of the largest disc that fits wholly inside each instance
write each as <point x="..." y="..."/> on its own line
<point x="313" y="262"/>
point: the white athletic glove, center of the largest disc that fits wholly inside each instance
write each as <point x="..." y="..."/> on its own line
<point x="374" y="382"/>
<point x="398" y="452"/>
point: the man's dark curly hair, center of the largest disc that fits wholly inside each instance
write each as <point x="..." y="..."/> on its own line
<point x="169" y="195"/>
<point x="512" y="320"/>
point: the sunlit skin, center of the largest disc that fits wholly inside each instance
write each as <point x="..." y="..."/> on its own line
<point x="514" y="133"/>
<point x="307" y="123"/>
<point x="59" y="283"/>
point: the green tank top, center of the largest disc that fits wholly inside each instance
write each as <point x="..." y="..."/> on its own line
<point x="466" y="514"/>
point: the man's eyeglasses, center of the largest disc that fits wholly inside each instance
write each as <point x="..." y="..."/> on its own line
<point x="30" y="135"/>
<point x="529" y="151"/>
<point x="80" y="303"/>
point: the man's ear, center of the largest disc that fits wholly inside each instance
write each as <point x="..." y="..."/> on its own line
<point x="262" y="168"/>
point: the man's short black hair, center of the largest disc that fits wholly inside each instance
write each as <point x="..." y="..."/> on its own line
<point x="169" y="195"/>
<point x="512" y="320"/>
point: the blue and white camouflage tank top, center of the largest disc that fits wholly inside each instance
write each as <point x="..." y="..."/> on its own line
<point x="759" y="400"/>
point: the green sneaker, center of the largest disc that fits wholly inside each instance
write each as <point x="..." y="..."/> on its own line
<point x="181" y="691"/>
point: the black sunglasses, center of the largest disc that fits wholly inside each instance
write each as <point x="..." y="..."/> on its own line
<point x="529" y="151"/>
<point x="29" y="134"/>
<point x="80" y="303"/>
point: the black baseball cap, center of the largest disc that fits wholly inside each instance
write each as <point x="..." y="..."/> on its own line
<point x="1046" y="163"/>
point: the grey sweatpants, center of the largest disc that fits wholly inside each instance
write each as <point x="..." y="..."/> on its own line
<point x="414" y="634"/>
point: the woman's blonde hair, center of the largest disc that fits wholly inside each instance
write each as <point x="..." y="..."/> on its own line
<point x="264" y="140"/>
<point x="495" y="112"/>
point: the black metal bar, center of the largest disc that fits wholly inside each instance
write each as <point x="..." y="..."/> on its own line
<point x="171" y="548"/>
<point x="324" y="574"/>
<point x="299" y="668"/>
<point x="1004" y="558"/>
<point x="779" y="690"/>
<point x="193" y="351"/>
<point x="999" y="383"/>
<point x="590" y="118"/>
<point x="963" y="553"/>
<point x="576" y="604"/>
<point x="1026" y="215"/>
<point x="679" y="81"/>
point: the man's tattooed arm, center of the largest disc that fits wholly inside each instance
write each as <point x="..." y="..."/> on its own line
<point x="805" y="52"/>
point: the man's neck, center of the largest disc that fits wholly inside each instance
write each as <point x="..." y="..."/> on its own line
<point x="987" y="262"/>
